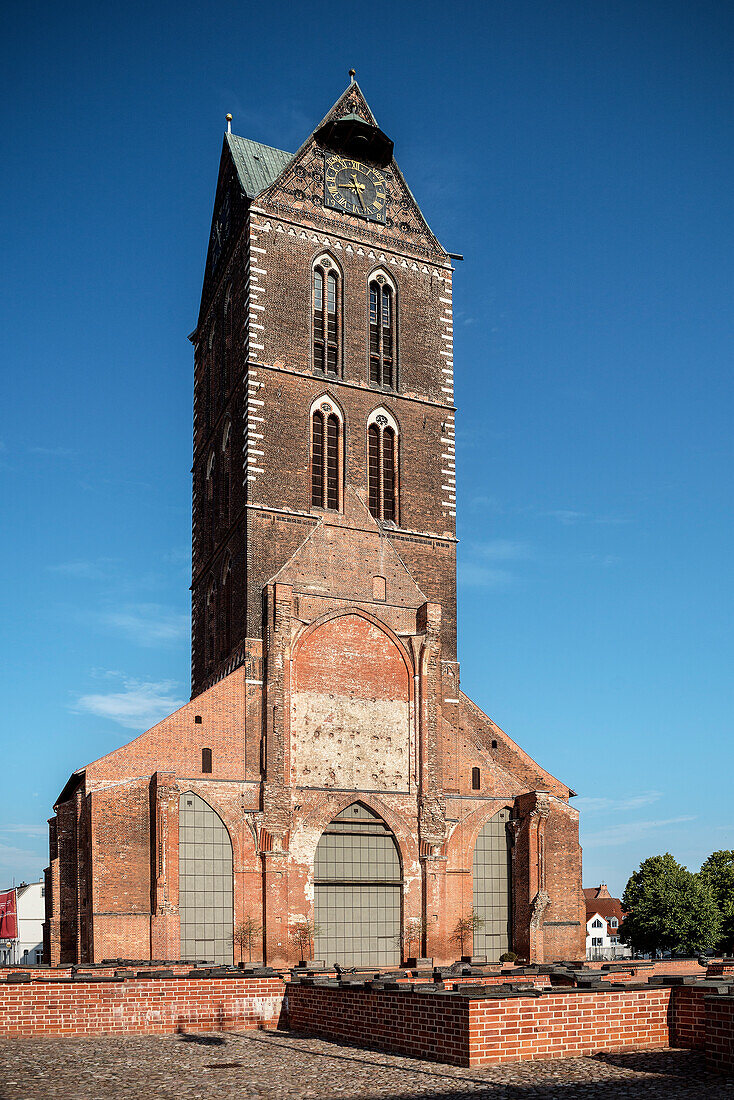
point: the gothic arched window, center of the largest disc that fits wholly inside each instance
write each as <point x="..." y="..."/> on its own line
<point x="382" y="332"/>
<point x="226" y="608"/>
<point x="210" y="625"/>
<point x="382" y="466"/>
<point x="326" y="455"/>
<point x="226" y="349"/>
<point x="211" y="495"/>
<point x="226" y="462"/>
<point x="326" y="317"/>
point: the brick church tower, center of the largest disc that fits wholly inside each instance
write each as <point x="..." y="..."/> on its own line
<point x="328" y="769"/>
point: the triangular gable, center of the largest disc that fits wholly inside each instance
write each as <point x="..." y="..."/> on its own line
<point x="299" y="181"/>
<point x="343" y="554"/>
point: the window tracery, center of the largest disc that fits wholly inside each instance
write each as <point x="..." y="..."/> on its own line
<point x="327" y="447"/>
<point x="382" y="466"/>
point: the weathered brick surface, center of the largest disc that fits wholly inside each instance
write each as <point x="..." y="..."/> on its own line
<point x="147" y="1006"/>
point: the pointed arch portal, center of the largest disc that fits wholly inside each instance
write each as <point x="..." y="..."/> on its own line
<point x="205" y="882"/>
<point x="358" y="891"/>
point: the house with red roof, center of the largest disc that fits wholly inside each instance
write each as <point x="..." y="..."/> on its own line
<point x="604" y="918"/>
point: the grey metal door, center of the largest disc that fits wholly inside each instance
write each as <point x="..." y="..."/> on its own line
<point x="491" y="874"/>
<point x="205" y="882"/>
<point x="358" y="891"/>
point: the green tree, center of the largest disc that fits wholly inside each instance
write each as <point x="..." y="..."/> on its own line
<point x="668" y="908"/>
<point x="718" y="872"/>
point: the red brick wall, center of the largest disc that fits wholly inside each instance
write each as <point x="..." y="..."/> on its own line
<point x="688" y="1018"/>
<point x="720" y="1034"/>
<point x="464" y="1031"/>
<point x="147" y="1006"/>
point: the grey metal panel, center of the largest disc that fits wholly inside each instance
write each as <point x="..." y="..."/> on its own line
<point x="358" y="891"/>
<point x="205" y="882"/>
<point x="492" y="887"/>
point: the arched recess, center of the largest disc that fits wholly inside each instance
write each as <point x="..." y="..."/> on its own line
<point x="492" y="887"/>
<point x="358" y="885"/>
<point x="204" y="882"/>
<point x="351" y="689"/>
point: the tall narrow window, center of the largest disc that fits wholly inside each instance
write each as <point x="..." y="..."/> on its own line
<point x="226" y="351"/>
<point x="210" y="626"/>
<point x="206" y="761"/>
<point x="226" y="609"/>
<point x="382" y="466"/>
<point x="382" y="333"/>
<point x="211" y="495"/>
<point x="226" y="462"/>
<point x="326" y="456"/>
<point x="326" y="317"/>
<point x="476" y="779"/>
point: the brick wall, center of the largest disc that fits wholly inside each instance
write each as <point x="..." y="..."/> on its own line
<point x="720" y="1034"/>
<point x="502" y="1029"/>
<point x="147" y="1006"/>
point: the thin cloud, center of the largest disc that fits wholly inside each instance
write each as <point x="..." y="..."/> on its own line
<point x="25" y="830"/>
<point x="138" y="706"/>
<point x="591" y="805"/>
<point x="20" y="864"/>
<point x="570" y="516"/>
<point x="148" y="624"/>
<point x="474" y="575"/>
<point x="85" y="569"/>
<point x="52" y="452"/>
<point x="627" y="832"/>
<point x="502" y="550"/>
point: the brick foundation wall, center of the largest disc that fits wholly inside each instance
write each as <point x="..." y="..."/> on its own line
<point x="146" y="1006"/>
<point x="502" y="1029"/>
<point x="720" y="1034"/>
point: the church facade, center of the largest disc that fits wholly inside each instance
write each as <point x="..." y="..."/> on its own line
<point x="328" y="773"/>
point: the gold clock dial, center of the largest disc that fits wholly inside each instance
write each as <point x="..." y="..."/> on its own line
<point x="354" y="188"/>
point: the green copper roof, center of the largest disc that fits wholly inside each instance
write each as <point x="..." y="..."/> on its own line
<point x="257" y="165"/>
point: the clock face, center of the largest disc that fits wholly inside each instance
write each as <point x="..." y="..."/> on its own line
<point x="354" y="188"/>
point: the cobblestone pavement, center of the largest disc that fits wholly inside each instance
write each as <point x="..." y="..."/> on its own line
<point x="283" y="1064"/>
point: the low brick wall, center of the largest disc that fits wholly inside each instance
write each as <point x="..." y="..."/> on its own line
<point x="720" y="1034"/>
<point x="148" y="1006"/>
<point x="472" y="1030"/>
<point x="688" y="1017"/>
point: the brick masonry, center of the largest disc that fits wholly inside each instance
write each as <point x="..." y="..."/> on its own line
<point x="459" y="1023"/>
<point x="324" y="643"/>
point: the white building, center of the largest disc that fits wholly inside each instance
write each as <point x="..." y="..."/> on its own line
<point x="604" y="918"/>
<point x="26" y="947"/>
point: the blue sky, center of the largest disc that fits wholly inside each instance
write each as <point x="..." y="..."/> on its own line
<point x="580" y="156"/>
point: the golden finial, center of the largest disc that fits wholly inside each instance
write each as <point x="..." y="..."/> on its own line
<point x="352" y="74"/>
<point x="229" y="124"/>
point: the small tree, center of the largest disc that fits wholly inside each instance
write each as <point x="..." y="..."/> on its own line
<point x="245" y="935"/>
<point x="302" y="935"/>
<point x="718" y="873"/>
<point x="414" y="929"/>
<point x="465" y="929"/>
<point x="668" y="908"/>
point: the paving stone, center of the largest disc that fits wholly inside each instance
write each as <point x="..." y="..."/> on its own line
<point x="276" y="1065"/>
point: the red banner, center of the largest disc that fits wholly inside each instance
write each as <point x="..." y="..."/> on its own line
<point x="8" y="917"/>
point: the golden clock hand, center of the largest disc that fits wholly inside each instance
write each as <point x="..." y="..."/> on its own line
<point x="359" y="188"/>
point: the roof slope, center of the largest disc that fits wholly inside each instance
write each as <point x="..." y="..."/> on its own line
<point x="257" y="165"/>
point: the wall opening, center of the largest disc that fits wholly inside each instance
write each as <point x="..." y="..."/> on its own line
<point x="205" y="882"/>
<point x="492" y="888"/>
<point x="358" y="891"/>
